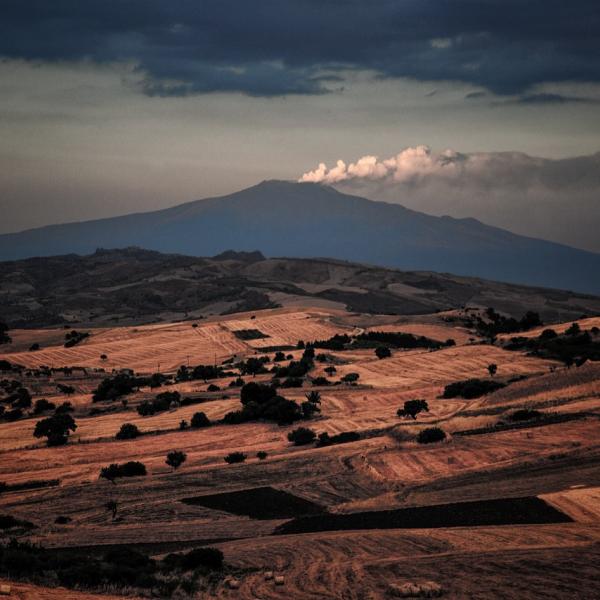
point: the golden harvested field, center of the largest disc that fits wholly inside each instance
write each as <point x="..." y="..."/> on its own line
<point x="421" y="367"/>
<point x="486" y="456"/>
<point x="165" y="347"/>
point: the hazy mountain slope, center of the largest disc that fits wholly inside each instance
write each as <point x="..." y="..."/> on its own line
<point x="309" y="220"/>
<point x="138" y="286"/>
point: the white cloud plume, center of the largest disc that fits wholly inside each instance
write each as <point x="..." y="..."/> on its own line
<point x="407" y="165"/>
<point x="551" y="199"/>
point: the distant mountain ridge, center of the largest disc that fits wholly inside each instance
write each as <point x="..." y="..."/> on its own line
<point x="310" y="220"/>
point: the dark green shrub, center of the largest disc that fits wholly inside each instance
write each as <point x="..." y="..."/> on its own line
<point x="525" y="414"/>
<point x="431" y="435"/>
<point x="56" y="429"/>
<point x="301" y="436"/>
<point x="128" y="431"/>
<point x="235" y="457"/>
<point x="199" y="419"/>
<point x="341" y="438"/>
<point x="382" y="352"/>
<point x="175" y="459"/>
<point x="42" y="406"/>
<point x="350" y="377"/>
<point x="471" y="388"/>
<point x="128" y="469"/>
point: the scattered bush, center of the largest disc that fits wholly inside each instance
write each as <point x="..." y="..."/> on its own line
<point x="10" y="522"/>
<point x="128" y="431"/>
<point x="34" y="347"/>
<point x="42" y="406"/>
<point x="471" y="388"/>
<point x="499" y="324"/>
<point x="213" y="388"/>
<point x="261" y="455"/>
<point x="301" y="436"/>
<point x="12" y="415"/>
<point x="292" y="382"/>
<point x="525" y="414"/>
<point x="209" y="558"/>
<point x="382" y="352"/>
<point x="74" y="337"/>
<point x="112" y="388"/>
<point x="175" y="459"/>
<point x="253" y="366"/>
<point x="65" y="389"/>
<point x="128" y="469"/>
<point x="56" y="429"/>
<point x="260" y="401"/>
<point x="20" y="398"/>
<point x="431" y="435"/>
<point x="65" y="407"/>
<point x="199" y="419"/>
<point x="161" y="403"/>
<point x="235" y="457"/>
<point x="350" y="377"/>
<point x="341" y="438"/>
<point x="62" y="520"/>
<point x="309" y="409"/>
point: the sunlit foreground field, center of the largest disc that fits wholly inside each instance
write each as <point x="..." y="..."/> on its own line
<point x="506" y="505"/>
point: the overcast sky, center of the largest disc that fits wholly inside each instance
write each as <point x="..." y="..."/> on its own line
<point x="131" y="105"/>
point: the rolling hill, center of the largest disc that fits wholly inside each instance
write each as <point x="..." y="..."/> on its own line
<point x="310" y="220"/>
<point x="133" y="286"/>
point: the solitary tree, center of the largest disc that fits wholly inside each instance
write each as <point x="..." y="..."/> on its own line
<point x="128" y="431"/>
<point x="382" y="352"/>
<point x="55" y="428"/>
<point x="175" y="459"/>
<point x="200" y="419"/>
<point x="412" y="408"/>
<point x="492" y="369"/>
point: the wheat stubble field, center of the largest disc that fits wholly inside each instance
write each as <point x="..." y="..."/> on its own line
<point x="535" y="533"/>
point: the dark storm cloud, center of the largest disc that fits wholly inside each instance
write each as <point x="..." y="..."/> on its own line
<point x="552" y="99"/>
<point x="270" y="47"/>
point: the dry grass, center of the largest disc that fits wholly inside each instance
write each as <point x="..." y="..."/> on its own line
<point x="383" y="470"/>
